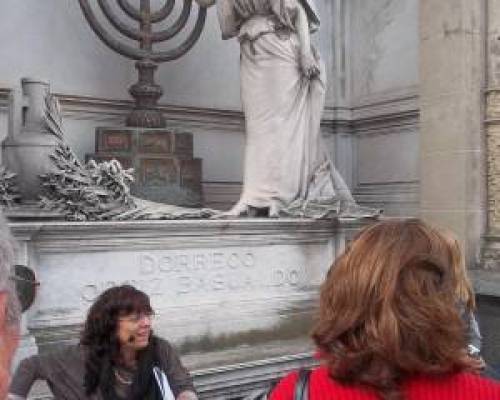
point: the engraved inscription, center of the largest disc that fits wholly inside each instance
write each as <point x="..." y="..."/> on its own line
<point x="196" y="273"/>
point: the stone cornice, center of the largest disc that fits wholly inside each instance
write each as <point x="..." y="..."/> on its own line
<point x="386" y="105"/>
<point x="105" y="236"/>
<point x="85" y="107"/>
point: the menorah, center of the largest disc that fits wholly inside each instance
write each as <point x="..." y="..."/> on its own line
<point x="145" y="92"/>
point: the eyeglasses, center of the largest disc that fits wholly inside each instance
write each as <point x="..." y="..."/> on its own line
<point x="137" y="317"/>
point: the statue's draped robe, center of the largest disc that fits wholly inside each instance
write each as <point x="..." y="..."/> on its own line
<point x="286" y="167"/>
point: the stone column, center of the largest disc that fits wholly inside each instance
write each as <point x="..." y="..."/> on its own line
<point x="491" y="248"/>
<point x="452" y="66"/>
<point x="343" y="146"/>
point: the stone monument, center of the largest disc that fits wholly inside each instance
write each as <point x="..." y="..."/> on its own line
<point x="235" y="296"/>
<point x="162" y="159"/>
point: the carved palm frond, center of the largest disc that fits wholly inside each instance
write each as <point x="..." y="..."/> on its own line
<point x="53" y="116"/>
<point x="9" y="192"/>
<point x="91" y="192"/>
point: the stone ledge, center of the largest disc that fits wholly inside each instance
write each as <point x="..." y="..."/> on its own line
<point x="233" y="381"/>
<point x="486" y="282"/>
<point x="230" y="381"/>
<point x="399" y="107"/>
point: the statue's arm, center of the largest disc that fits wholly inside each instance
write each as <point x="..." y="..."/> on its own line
<point x="229" y="20"/>
<point x="308" y="63"/>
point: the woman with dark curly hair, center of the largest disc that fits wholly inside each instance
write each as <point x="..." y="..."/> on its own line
<point x="389" y="324"/>
<point x="118" y="357"/>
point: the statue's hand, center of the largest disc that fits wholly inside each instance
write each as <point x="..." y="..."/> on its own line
<point x="205" y="3"/>
<point x="309" y="65"/>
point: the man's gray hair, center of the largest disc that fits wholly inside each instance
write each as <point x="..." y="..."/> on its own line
<point x="13" y="312"/>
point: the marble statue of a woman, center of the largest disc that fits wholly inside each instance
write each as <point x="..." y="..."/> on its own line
<point x="286" y="166"/>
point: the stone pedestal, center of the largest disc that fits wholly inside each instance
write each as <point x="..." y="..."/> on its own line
<point x="236" y="297"/>
<point x="165" y="170"/>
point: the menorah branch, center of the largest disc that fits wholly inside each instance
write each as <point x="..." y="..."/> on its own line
<point x="157" y="16"/>
<point x="184" y="47"/>
<point x="145" y="92"/>
<point x="120" y="26"/>
<point x="107" y="39"/>
<point x="177" y="25"/>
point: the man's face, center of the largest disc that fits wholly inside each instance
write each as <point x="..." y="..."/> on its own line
<point x="9" y="338"/>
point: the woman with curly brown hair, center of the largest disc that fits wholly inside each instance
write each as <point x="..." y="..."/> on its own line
<point x="118" y="357"/>
<point x="389" y="324"/>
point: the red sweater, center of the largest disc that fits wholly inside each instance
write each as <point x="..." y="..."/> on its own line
<point x="461" y="386"/>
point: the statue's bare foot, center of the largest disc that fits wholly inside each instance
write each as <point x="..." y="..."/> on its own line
<point x="274" y="210"/>
<point x="245" y="210"/>
<point x="239" y="210"/>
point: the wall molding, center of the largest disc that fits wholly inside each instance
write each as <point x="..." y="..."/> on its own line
<point x="4" y="99"/>
<point x="378" y="109"/>
<point x="84" y="107"/>
<point x="393" y="192"/>
<point x="396" y="198"/>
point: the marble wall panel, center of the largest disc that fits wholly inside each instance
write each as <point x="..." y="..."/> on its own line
<point x="384" y="46"/>
<point x="391" y="157"/>
<point x="386" y="173"/>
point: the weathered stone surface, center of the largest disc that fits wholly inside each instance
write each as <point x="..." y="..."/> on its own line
<point x="493" y="165"/>
<point x="491" y="249"/>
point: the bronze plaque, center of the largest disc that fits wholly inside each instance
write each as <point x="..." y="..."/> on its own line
<point x="159" y="172"/>
<point x="183" y="144"/>
<point x="191" y="174"/>
<point x="115" y="141"/>
<point x="155" y="142"/>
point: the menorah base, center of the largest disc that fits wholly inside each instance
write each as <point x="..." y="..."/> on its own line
<point x="164" y="168"/>
<point x="146" y="118"/>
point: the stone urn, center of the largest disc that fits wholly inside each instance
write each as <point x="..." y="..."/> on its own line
<point x="29" y="144"/>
